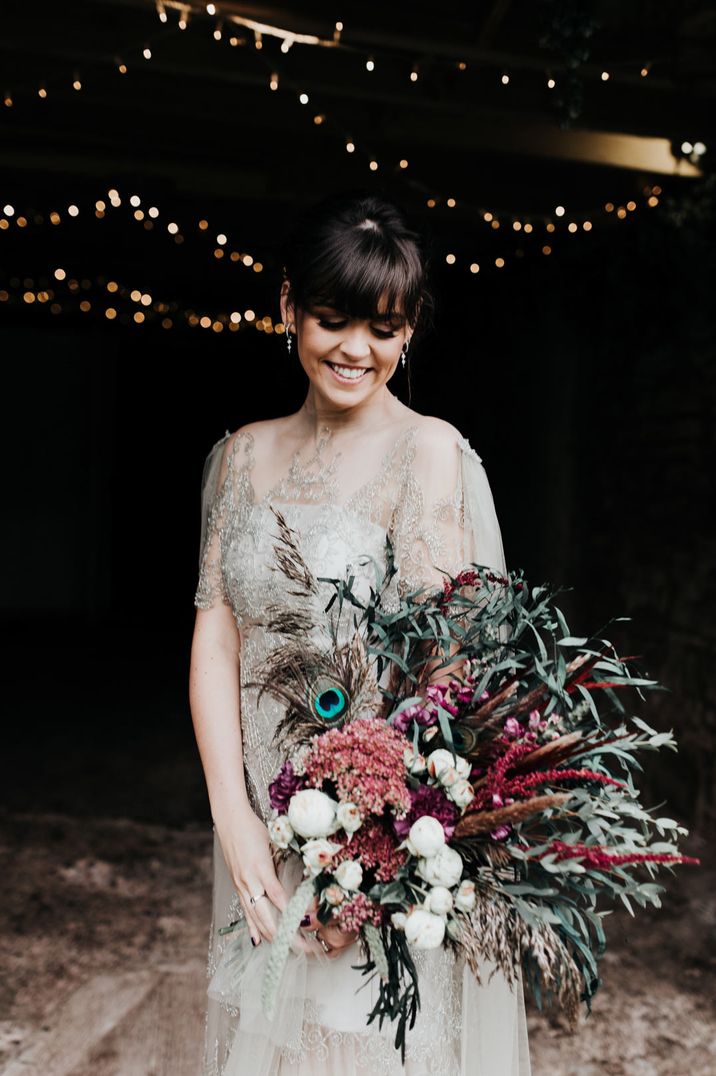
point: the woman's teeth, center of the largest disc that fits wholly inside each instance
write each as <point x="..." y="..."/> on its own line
<point x="348" y="373"/>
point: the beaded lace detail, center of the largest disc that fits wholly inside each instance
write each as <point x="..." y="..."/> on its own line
<point x="426" y="488"/>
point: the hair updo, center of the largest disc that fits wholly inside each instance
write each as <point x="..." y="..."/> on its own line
<point x="357" y="253"/>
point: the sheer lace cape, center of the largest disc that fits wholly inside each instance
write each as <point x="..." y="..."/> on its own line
<point x="425" y="486"/>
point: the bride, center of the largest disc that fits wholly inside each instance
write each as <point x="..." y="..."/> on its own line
<point x="352" y="464"/>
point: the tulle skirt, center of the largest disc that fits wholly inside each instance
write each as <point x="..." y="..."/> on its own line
<point x="463" y="1028"/>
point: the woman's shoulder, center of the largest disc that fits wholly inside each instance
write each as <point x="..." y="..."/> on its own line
<point x="438" y="436"/>
<point x="241" y="443"/>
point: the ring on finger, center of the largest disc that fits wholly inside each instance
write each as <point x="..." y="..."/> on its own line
<point x="324" y="944"/>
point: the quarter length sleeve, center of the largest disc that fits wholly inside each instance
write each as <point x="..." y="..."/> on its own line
<point x="447" y="518"/>
<point x="211" y="586"/>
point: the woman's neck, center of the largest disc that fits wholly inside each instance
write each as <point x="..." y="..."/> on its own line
<point x="379" y="411"/>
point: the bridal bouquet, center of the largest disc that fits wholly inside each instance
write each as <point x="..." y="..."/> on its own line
<point x="487" y="810"/>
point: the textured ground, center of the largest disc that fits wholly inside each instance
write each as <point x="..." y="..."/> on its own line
<point x="103" y="937"/>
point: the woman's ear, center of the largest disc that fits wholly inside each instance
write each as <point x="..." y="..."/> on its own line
<point x="287" y="312"/>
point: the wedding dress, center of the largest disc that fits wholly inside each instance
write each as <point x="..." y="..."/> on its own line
<point x="425" y="485"/>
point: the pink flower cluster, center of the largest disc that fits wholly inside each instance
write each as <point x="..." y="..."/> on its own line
<point x="364" y="759"/>
<point x="376" y="848"/>
<point x="357" y="911"/>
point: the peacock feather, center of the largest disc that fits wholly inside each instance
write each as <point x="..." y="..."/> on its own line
<point x="321" y="682"/>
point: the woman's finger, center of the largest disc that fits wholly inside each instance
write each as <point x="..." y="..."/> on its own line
<point x="251" y="923"/>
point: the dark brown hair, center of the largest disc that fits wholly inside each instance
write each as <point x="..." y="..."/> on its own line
<point x="353" y="250"/>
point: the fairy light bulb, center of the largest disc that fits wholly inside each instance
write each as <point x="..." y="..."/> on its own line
<point x="273" y="83"/>
<point x="370" y="64"/>
<point x="350" y="147"/>
<point x="147" y="53"/>
<point x="303" y="98"/>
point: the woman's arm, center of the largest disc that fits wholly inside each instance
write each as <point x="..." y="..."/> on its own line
<point x="214" y="698"/>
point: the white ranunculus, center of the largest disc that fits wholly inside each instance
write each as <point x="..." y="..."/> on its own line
<point x="465" y="896"/>
<point x="312" y="813"/>
<point x="461" y="792"/>
<point x="426" y="836"/>
<point x="349" y="874"/>
<point x="444" y="868"/>
<point x="280" y="831"/>
<point x="349" y="817"/>
<point x="318" y="853"/>
<point x="439" y="900"/>
<point x="424" y="930"/>
<point x="398" y="920"/>
<point x="441" y="761"/>
<point x="415" y="763"/>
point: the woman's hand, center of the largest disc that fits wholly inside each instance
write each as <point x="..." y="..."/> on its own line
<point x="337" y="939"/>
<point x="247" y="851"/>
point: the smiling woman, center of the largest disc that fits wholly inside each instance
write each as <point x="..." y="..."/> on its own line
<point x="351" y="466"/>
<point x="354" y="291"/>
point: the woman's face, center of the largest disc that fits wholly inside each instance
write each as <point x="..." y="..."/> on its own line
<point x="333" y="348"/>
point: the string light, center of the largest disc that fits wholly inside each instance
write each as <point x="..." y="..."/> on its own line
<point x="168" y="315"/>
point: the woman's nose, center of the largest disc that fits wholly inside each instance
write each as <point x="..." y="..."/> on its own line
<point x="355" y="344"/>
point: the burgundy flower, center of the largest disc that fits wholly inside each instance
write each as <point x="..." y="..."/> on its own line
<point x="431" y="800"/>
<point x="283" y="787"/>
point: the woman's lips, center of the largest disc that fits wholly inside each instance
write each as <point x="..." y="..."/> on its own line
<point x="347" y="379"/>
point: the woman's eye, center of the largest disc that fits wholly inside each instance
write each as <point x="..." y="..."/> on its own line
<point x="326" y="324"/>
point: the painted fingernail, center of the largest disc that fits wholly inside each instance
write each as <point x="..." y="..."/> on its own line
<point x="305" y="921"/>
<point x="253" y="941"/>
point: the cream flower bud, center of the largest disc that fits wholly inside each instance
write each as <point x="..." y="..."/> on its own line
<point x="280" y="831"/>
<point x="415" y="763"/>
<point x="318" y="853"/>
<point x="441" y="760"/>
<point x="424" y="930"/>
<point x="465" y="897"/>
<point x="349" y="817"/>
<point x="349" y="874"/>
<point x="453" y="928"/>
<point x="426" y="836"/>
<point x="398" y="920"/>
<point x="448" y="777"/>
<point x="334" y="894"/>
<point x="461" y="792"/>
<point x="312" y="813"/>
<point x="444" y="868"/>
<point x="439" y="900"/>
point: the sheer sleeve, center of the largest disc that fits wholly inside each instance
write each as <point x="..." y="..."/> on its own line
<point x="447" y="517"/>
<point x="211" y="586"/>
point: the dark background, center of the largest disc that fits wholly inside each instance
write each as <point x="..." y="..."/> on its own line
<point x="584" y="377"/>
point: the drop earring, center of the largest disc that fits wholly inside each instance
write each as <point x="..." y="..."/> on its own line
<point x="403" y="352"/>
<point x="288" y="339"/>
